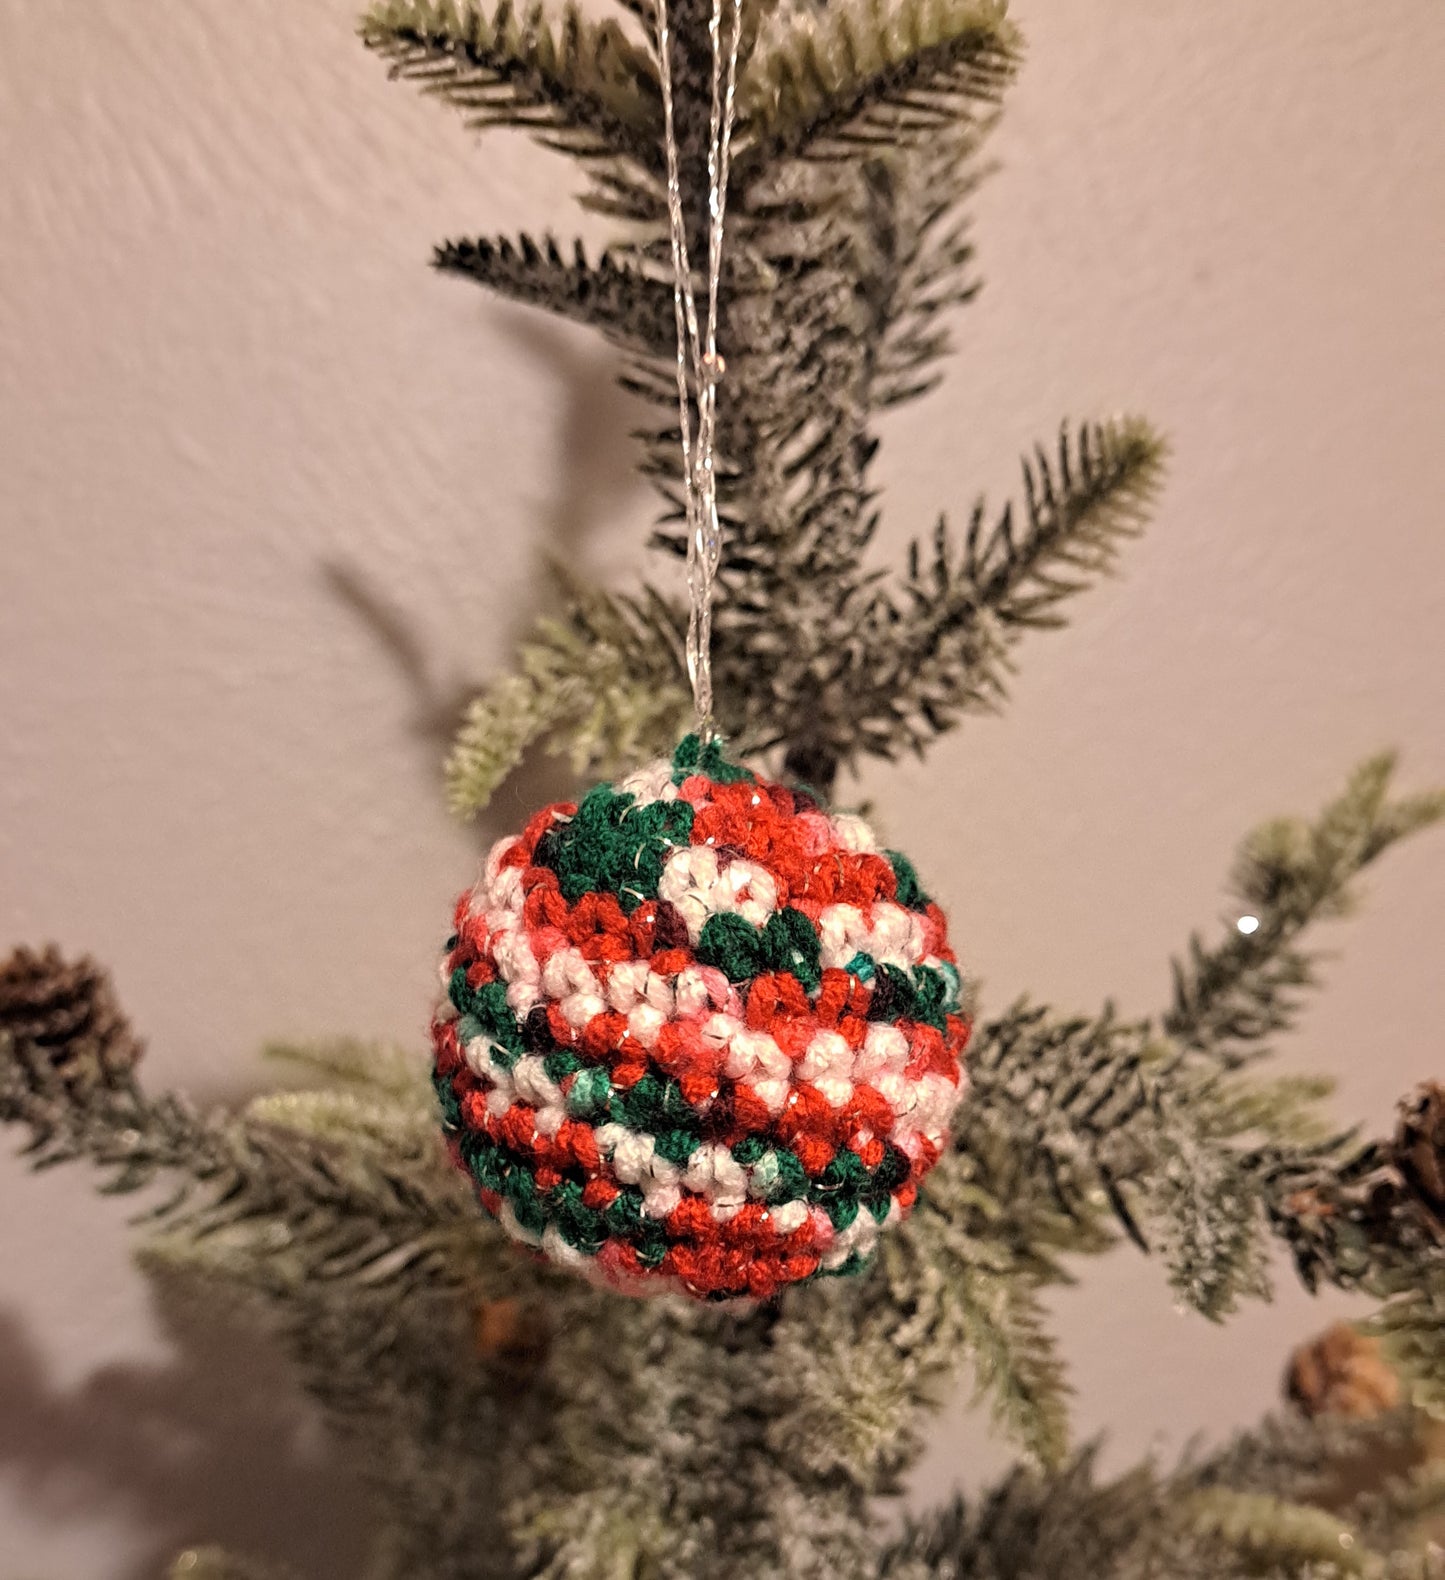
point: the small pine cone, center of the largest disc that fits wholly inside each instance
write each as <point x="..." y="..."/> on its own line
<point x="1342" y="1372"/>
<point x="66" y="1014"/>
<point x="1418" y="1150"/>
<point x="511" y="1336"/>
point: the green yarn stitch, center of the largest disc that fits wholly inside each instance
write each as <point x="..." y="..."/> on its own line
<point x="654" y="1104"/>
<point x="484" y="1158"/>
<point x="732" y="944"/>
<point x="893" y="995"/>
<point x="953" y="1001"/>
<point x="844" y="1189"/>
<point x="489" y="1005"/>
<point x="711" y="761"/>
<point x="846" y="1173"/>
<point x="614" y="846"/>
<point x="589" y="1092"/>
<point x="790" y="943"/>
<point x="485" y="1012"/>
<point x="789" y="1180"/>
<point x="459" y="990"/>
<point x="581" y="1227"/>
<point x="893" y="1170"/>
<point x="910" y="893"/>
<point x="560" y="1063"/>
<point x="650" y="1241"/>
<point x="451" y="1108"/>
<point x="677" y="1146"/>
<point x="520" y="1189"/>
<point x="624" y="1215"/>
<point x="749" y="1150"/>
<point x="842" y="1210"/>
<point x="862" y="966"/>
<point x="878" y="1204"/>
<point x="930" y="993"/>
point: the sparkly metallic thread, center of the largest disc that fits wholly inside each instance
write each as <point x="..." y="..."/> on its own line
<point x="698" y="362"/>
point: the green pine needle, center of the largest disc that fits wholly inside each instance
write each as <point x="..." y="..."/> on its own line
<point x="580" y="85"/>
<point x="604" y="684"/>
<point x="872" y="74"/>
<point x="630" y="307"/>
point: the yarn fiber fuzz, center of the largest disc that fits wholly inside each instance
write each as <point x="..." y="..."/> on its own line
<point x="699" y="1034"/>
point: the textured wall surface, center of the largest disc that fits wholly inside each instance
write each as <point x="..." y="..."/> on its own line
<point x="272" y="492"/>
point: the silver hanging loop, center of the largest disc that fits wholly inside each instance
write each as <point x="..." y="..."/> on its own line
<point x="698" y="361"/>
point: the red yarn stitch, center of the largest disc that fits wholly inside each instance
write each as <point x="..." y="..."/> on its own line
<point x="713" y="1245"/>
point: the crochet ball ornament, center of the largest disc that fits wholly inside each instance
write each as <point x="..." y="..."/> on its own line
<point x="700" y="1034"/>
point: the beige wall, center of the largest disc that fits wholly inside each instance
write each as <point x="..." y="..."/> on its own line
<point x="230" y="390"/>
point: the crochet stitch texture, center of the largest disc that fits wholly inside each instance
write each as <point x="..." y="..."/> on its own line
<point x="699" y="1034"/>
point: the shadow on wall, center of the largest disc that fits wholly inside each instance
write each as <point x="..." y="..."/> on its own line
<point x="220" y="1446"/>
<point x="595" y="479"/>
<point x="213" y="1447"/>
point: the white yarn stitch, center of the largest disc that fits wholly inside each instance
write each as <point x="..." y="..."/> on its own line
<point x="688" y="876"/>
<point x="625" y="984"/>
<point x="533" y="1084"/>
<point x="892" y="935"/>
<point x="700" y="885"/>
<point x="557" y="1250"/>
<point x="579" y="1009"/>
<point x="790" y="1216"/>
<point x="774" y="1093"/>
<point x="649" y="784"/>
<point x="755" y="1053"/>
<point x="853" y="833"/>
<point x="885" y="1051"/>
<point x="713" y="1171"/>
<point x="827" y="1054"/>
<point x="658" y="1199"/>
<point x="837" y="1092"/>
<point x="568" y="971"/>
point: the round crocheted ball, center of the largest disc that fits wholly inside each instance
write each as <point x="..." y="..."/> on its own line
<point x="700" y="1034"/>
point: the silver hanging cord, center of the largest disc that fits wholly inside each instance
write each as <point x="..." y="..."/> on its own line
<point x="697" y="353"/>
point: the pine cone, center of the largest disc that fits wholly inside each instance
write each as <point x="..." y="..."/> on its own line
<point x="1418" y="1150"/>
<point x="512" y="1336"/>
<point x="1342" y="1372"/>
<point x="66" y="1016"/>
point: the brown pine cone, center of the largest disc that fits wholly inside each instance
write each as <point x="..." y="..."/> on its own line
<point x="511" y="1335"/>
<point x="1418" y="1150"/>
<point x="67" y="1014"/>
<point x="1342" y="1372"/>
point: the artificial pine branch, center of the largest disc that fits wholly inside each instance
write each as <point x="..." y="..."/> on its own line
<point x="871" y="74"/>
<point x="1066" y="1526"/>
<point x="1266" y="1503"/>
<point x="581" y="86"/>
<point x="1192" y="1154"/>
<point x="918" y="657"/>
<point x="378" y="1069"/>
<point x="604" y="683"/>
<point x="916" y="261"/>
<point x="954" y="1289"/>
<point x="1269" y="1535"/>
<point x="672" y="1442"/>
<point x="615" y="297"/>
<point x="1079" y="508"/>
<point x="344" y="1212"/>
<point x="1231" y="998"/>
